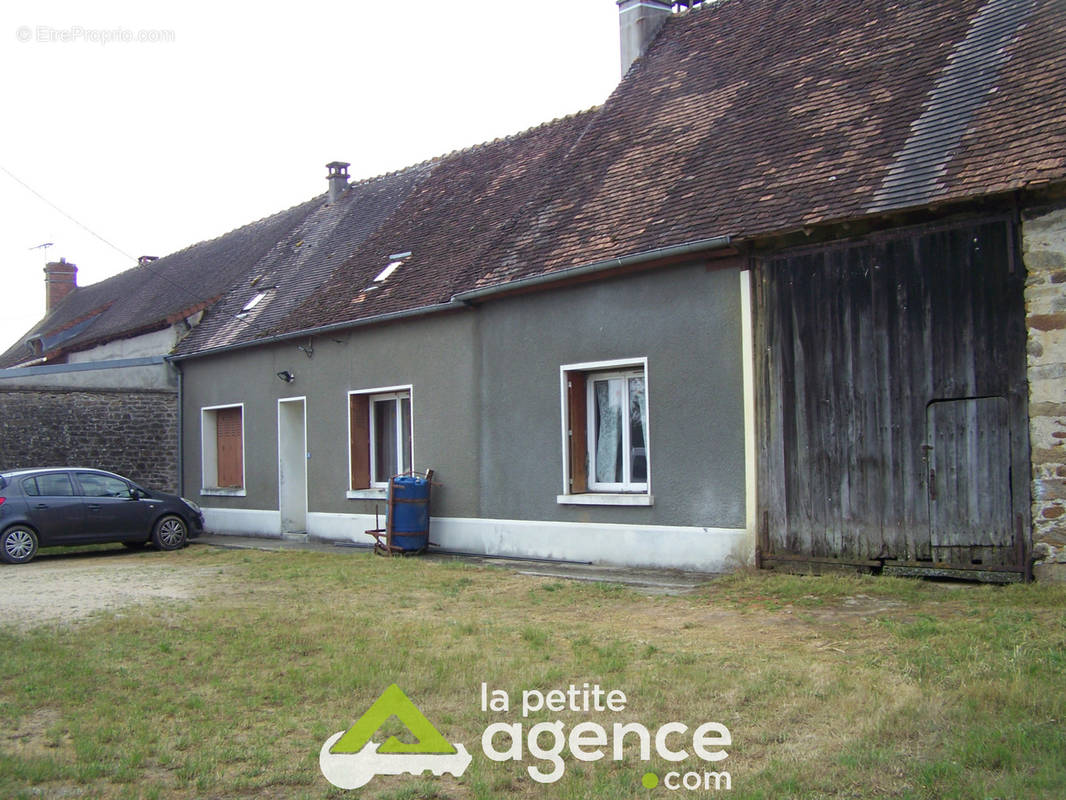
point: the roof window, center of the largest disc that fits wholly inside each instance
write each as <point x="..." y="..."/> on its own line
<point x="396" y="261"/>
<point x="385" y="273"/>
<point x="251" y="304"/>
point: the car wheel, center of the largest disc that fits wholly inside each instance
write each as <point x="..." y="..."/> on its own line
<point x="18" y="545"/>
<point x="169" y="533"/>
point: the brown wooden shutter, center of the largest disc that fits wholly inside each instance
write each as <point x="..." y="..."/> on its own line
<point x="576" y="405"/>
<point x="230" y="447"/>
<point x="359" y="416"/>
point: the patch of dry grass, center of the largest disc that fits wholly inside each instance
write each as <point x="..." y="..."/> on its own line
<point x="831" y="687"/>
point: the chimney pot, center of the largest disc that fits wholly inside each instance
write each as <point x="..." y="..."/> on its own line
<point x="60" y="279"/>
<point x="338" y="179"/>
<point x="638" y="23"/>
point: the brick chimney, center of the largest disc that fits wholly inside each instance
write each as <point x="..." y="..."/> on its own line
<point x="638" y="22"/>
<point x="338" y="179"/>
<point x="60" y="279"/>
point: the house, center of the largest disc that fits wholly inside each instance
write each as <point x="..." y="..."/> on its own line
<point x="793" y="295"/>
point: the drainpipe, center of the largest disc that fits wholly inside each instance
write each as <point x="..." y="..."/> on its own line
<point x="181" y="428"/>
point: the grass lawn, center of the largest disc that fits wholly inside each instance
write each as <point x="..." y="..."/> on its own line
<point x="830" y="687"/>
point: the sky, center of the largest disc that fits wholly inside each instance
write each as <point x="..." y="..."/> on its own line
<point x="134" y="128"/>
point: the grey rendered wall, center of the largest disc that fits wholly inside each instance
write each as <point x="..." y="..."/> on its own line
<point x="435" y="355"/>
<point x="687" y="322"/>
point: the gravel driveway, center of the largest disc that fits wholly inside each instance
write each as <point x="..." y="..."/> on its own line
<point x="67" y="588"/>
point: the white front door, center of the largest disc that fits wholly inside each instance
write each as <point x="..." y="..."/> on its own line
<point x="292" y="465"/>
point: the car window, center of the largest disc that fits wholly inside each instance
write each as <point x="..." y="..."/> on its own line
<point x="93" y="485"/>
<point x="53" y="485"/>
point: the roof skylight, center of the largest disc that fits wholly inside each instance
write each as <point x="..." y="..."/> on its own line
<point x="253" y="302"/>
<point x="385" y="273"/>
<point x="396" y="260"/>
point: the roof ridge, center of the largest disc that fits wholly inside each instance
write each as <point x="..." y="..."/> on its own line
<point x="512" y="136"/>
<point x="276" y="215"/>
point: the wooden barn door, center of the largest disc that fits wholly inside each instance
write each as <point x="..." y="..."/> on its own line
<point x="969" y="478"/>
<point x="881" y="363"/>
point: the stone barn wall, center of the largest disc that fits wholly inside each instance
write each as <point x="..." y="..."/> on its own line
<point x="1044" y="253"/>
<point x="133" y="433"/>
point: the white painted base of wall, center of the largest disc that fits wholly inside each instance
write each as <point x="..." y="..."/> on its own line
<point x="666" y="547"/>
<point x="242" y="522"/>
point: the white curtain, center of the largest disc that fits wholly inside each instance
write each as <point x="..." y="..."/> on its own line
<point x="609" y="405"/>
<point x="638" y="426"/>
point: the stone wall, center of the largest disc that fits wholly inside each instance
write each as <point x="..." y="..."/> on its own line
<point x="132" y="433"/>
<point x="1044" y="252"/>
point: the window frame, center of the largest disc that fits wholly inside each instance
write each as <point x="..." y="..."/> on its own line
<point x="209" y="456"/>
<point x="577" y="412"/>
<point x="627" y="485"/>
<point x="364" y="463"/>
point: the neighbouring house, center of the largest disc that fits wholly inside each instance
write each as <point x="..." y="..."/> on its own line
<point x="89" y="383"/>
<point x="794" y="295"/>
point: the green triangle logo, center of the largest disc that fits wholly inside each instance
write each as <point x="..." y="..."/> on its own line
<point x="393" y="702"/>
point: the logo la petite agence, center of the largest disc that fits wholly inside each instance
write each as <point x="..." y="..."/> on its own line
<point x="349" y="759"/>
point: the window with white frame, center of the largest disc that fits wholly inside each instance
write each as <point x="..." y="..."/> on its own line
<point x="222" y="449"/>
<point x="617" y="420"/>
<point x="605" y="407"/>
<point x="380" y="442"/>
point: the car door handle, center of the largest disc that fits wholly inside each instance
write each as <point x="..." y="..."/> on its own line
<point x="93" y="506"/>
<point x="40" y="506"/>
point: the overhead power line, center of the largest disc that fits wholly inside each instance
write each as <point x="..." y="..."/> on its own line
<point x="145" y="266"/>
<point x="48" y="202"/>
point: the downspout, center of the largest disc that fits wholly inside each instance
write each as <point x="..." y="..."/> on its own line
<point x="655" y="254"/>
<point x="181" y="428"/>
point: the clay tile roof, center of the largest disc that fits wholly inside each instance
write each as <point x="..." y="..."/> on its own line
<point x="748" y="117"/>
<point x="300" y="262"/>
<point x="744" y="118"/>
<point x="462" y="203"/>
<point x="151" y="297"/>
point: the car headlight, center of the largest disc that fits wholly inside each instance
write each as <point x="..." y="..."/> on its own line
<point x="191" y="504"/>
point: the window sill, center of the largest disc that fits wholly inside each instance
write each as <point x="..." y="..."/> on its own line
<point x="605" y="499"/>
<point x="367" y="494"/>
<point x="218" y="492"/>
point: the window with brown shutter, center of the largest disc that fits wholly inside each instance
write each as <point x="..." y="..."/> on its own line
<point x="380" y="442"/>
<point x="605" y="430"/>
<point x="359" y="421"/>
<point x="229" y="431"/>
<point x="576" y="435"/>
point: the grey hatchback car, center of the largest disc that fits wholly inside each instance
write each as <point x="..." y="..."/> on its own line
<point x="67" y="506"/>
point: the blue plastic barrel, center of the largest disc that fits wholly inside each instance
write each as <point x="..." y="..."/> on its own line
<point x="410" y="525"/>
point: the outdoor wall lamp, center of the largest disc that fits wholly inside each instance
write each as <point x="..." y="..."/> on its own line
<point x="286" y="376"/>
